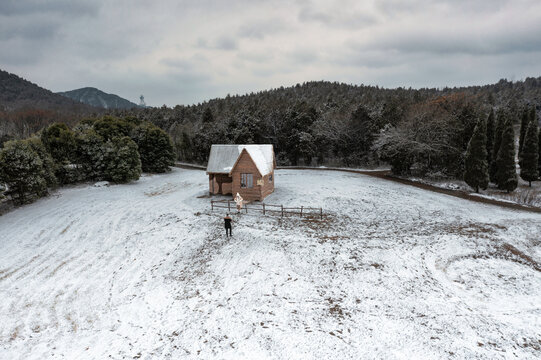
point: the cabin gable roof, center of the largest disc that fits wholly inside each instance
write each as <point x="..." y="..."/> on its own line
<point x="223" y="158"/>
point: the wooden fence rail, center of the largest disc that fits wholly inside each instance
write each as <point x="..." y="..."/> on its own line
<point x="268" y="208"/>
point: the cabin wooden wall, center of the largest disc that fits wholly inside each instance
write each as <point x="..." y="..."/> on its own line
<point x="245" y="165"/>
<point x="268" y="187"/>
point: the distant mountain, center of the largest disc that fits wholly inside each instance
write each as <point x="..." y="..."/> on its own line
<point x="97" y="98"/>
<point x="17" y="93"/>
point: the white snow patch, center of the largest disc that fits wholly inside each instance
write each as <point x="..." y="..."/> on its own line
<point x="101" y="184"/>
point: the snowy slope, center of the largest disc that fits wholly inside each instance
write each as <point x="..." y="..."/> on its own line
<point x="145" y="271"/>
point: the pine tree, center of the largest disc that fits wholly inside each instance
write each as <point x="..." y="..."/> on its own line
<point x="490" y="136"/>
<point x="533" y="114"/>
<point x="476" y="165"/>
<point x="530" y="154"/>
<point x="207" y="117"/>
<point x="539" y="146"/>
<point x="524" y="121"/>
<point x="500" y="122"/>
<point x="506" y="175"/>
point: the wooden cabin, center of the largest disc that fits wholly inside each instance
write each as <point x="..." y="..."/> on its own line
<point x="244" y="169"/>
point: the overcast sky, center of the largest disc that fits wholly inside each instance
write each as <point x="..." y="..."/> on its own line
<point x="183" y="52"/>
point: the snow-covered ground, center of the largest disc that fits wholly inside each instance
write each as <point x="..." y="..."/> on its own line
<point x="145" y="271"/>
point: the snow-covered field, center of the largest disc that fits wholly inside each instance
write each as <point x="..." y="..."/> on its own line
<point x="145" y="271"/>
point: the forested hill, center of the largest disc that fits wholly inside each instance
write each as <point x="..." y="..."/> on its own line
<point x="329" y="122"/>
<point x="17" y="93"/>
<point x="95" y="97"/>
<point x="26" y="107"/>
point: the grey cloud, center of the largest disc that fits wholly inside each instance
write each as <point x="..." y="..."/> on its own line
<point x="18" y="53"/>
<point x="304" y="56"/>
<point x="394" y="8"/>
<point x="225" y="43"/>
<point x="262" y="29"/>
<point x="65" y="7"/>
<point x="221" y="43"/>
<point x="37" y="29"/>
<point x="177" y="63"/>
<point x="341" y="18"/>
<point x="255" y="57"/>
<point x="362" y="58"/>
<point x="443" y="43"/>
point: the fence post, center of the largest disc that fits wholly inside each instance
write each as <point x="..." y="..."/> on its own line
<point x="301" y="211"/>
<point x="282" y="210"/>
<point x="246" y="208"/>
<point x="228" y="206"/>
<point x="321" y="213"/>
<point x="263" y="209"/>
<point x="212" y="205"/>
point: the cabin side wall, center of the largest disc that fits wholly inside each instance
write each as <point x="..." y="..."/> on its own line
<point x="245" y="165"/>
<point x="268" y="186"/>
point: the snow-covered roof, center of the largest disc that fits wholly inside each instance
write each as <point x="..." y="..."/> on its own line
<point x="223" y="157"/>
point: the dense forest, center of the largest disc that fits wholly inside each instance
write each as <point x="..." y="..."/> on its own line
<point x="329" y="123"/>
<point x="422" y="131"/>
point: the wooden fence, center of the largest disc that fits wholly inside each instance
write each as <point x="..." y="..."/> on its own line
<point x="268" y="208"/>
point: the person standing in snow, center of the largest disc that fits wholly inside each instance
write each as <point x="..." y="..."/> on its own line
<point x="227" y="223"/>
<point x="238" y="199"/>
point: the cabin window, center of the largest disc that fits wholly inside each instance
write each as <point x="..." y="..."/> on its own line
<point x="246" y="181"/>
<point x="270" y="178"/>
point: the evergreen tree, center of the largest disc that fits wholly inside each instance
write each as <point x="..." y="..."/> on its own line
<point x="539" y="146"/>
<point x="91" y="155"/>
<point x="47" y="161"/>
<point x="122" y="159"/>
<point x="21" y="169"/>
<point x="155" y="148"/>
<point x="524" y="121"/>
<point x="476" y="165"/>
<point x="530" y="154"/>
<point x="185" y="147"/>
<point x="109" y="127"/>
<point x="533" y="114"/>
<point x="490" y="136"/>
<point x="59" y="141"/>
<point x="207" y="117"/>
<point x="500" y="123"/>
<point x="506" y="175"/>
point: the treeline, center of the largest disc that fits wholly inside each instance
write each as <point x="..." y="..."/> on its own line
<point x="424" y="132"/>
<point x="459" y="138"/>
<point x="338" y="124"/>
<point x="106" y="148"/>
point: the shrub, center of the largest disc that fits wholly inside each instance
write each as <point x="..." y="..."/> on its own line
<point x="21" y="169"/>
<point x="155" y="148"/>
<point x="122" y="160"/>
